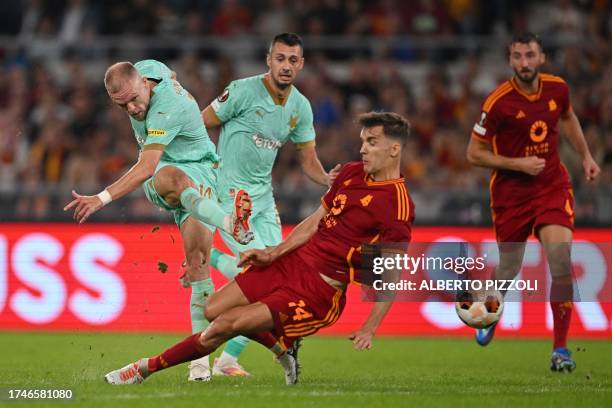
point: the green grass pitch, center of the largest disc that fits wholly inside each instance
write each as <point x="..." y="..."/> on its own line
<point x="418" y="372"/>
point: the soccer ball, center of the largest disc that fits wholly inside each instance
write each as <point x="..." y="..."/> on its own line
<point x="479" y="309"/>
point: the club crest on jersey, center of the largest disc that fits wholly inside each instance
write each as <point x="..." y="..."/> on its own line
<point x="552" y="105"/>
<point x="223" y="97"/>
<point x="338" y="204"/>
<point x="365" y="201"/>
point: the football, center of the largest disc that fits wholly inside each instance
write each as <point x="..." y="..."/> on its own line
<point x="479" y="309"/>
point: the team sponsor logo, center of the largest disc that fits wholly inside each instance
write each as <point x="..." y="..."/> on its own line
<point x="156" y="132"/>
<point x="223" y="97"/>
<point x="538" y="131"/>
<point x="265" y="143"/>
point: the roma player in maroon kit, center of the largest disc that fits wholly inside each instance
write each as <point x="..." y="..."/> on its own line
<point x="517" y="136"/>
<point x="296" y="288"/>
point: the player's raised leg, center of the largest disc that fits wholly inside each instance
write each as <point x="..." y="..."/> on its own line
<point x="510" y="262"/>
<point x="556" y="240"/>
<point x="178" y="189"/>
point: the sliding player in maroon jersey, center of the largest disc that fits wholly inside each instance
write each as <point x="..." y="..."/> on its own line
<point x="517" y="137"/>
<point x="298" y="287"/>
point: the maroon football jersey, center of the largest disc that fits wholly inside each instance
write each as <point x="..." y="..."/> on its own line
<point x="520" y="125"/>
<point x="361" y="211"/>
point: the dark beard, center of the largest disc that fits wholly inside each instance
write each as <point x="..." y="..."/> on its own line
<point x="280" y="85"/>
<point x="529" y="80"/>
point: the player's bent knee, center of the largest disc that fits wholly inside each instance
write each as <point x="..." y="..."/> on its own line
<point x="560" y="264"/>
<point x="169" y="182"/>
<point x="222" y="327"/>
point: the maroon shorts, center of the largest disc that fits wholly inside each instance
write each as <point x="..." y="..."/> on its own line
<point x="300" y="301"/>
<point x="516" y="224"/>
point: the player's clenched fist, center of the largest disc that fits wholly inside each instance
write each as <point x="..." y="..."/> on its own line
<point x="531" y="165"/>
<point x="591" y="169"/>
<point x="83" y="206"/>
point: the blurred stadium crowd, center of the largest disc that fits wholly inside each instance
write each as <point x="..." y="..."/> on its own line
<point x="432" y="61"/>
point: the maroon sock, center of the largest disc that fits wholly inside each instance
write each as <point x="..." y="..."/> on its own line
<point x="264" y="338"/>
<point x="561" y="296"/>
<point x="562" y="315"/>
<point x="187" y="350"/>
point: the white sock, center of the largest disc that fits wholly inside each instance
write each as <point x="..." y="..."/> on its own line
<point x="227" y="359"/>
<point x="227" y="224"/>
<point x="285" y="361"/>
<point x="205" y="361"/>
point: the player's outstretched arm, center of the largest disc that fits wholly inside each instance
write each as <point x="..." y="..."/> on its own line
<point x="311" y="166"/>
<point x="479" y="153"/>
<point x="573" y="131"/>
<point x="84" y="206"/>
<point x="362" y="338"/>
<point x="298" y="237"/>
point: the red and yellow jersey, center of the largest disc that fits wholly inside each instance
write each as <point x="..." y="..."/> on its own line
<point x="520" y="125"/>
<point x="361" y="211"/>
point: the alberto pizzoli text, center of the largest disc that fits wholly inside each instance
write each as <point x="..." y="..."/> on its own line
<point x="457" y="285"/>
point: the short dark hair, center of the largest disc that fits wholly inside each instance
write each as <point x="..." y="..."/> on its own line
<point x="290" y="39"/>
<point x="394" y="125"/>
<point x="526" y="38"/>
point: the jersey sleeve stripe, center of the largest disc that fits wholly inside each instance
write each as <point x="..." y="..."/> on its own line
<point x="399" y="202"/>
<point x="495" y="96"/>
<point x="497" y="91"/>
<point x="403" y="203"/>
<point x="406" y="202"/>
<point x="154" y="146"/>
<point x="300" y="146"/>
<point x="214" y="107"/>
<point x="553" y="78"/>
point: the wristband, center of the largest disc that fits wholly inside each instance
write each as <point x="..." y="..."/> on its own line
<point x="105" y="197"/>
